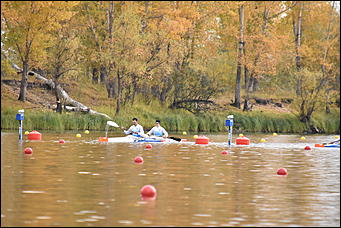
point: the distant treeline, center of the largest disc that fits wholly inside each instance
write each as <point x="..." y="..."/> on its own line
<point x="178" y="51"/>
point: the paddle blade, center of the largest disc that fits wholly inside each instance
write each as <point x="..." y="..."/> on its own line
<point x="175" y="138"/>
<point x="112" y="123"/>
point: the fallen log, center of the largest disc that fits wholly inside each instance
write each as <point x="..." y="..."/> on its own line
<point x="67" y="100"/>
<point x="72" y="109"/>
<point x="62" y="94"/>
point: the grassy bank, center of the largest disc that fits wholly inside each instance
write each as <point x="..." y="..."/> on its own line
<point x="172" y="120"/>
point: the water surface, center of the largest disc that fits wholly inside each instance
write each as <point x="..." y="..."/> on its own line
<point x="86" y="183"/>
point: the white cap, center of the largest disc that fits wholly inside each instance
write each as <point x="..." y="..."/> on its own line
<point x="230" y="117"/>
<point x="21" y="111"/>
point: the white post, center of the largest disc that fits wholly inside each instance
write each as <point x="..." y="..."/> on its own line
<point x="229" y="124"/>
<point x="20" y="117"/>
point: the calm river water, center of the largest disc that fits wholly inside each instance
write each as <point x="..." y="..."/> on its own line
<point x="86" y="183"/>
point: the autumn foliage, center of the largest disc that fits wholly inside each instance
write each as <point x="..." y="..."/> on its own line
<point x="183" y="52"/>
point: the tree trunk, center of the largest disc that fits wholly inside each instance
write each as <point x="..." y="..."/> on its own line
<point x="298" y="37"/>
<point x="59" y="107"/>
<point x="111" y="88"/>
<point x="103" y="74"/>
<point x="119" y="94"/>
<point x="240" y="57"/>
<point x="327" y="101"/>
<point x="95" y="75"/>
<point x="110" y="11"/>
<point x="246" y="77"/>
<point x="135" y="88"/>
<point x="23" y="86"/>
<point x="247" y="105"/>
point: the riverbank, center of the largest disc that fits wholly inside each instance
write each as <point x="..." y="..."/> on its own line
<point x="263" y="118"/>
<point x="172" y="120"/>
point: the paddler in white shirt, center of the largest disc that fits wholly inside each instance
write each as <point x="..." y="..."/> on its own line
<point x="158" y="130"/>
<point x="135" y="129"/>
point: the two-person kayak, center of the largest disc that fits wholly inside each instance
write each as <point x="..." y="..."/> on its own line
<point x="335" y="143"/>
<point x="131" y="139"/>
<point x="328" y="145"/>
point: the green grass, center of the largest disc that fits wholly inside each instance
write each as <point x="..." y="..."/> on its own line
<point x="172" y="120"/>
<point x="328" y="122"/>
<point x="48" y="120"/>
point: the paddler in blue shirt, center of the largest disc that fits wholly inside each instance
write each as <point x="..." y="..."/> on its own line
<point x="158" y="130"/>
<point x="135" y="129"/>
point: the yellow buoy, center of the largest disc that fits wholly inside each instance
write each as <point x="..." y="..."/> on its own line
<point x="262" y="140"/>
<point x="184" y="133"/>
<point x="86" y="132"/>
<point x="336" y="136"/>
<point x="241" y="135"/>
<point x="78" y="135"/>
<point x="274" y="134"/>
<point x="27" y="132"/>
<point x="302" y="138"/>
<point x="195" y="136"/>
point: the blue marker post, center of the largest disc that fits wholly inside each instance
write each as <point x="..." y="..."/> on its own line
<point x="20" y="117"/>
<point x="229" y="125"/>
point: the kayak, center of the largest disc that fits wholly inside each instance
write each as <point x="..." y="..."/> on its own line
<point x="333" y="145"/>
<point x="328" y="145"/>
<point x="131" y="139"/>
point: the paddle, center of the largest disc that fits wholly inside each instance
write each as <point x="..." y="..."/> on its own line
<point x="175" y="138"/>
<point x="112" y="124"/>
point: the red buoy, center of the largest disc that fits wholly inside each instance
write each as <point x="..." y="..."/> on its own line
<point x="307" y="148"/>
<point x="201" y="140"/>
<point x="148" y="192"/>
<point x="242" y="140"/>
<point x="28" y="150"/>
<point x="149" y="146"/>
<point x="224" y="152"/>
<point x="61" y="141"/>
<point x="138" y="159"/>
<point x="34" y="135"/>
<point x="282" y="171"/>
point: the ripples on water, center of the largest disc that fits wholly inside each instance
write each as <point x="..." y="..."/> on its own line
<point x="86" y="183"/>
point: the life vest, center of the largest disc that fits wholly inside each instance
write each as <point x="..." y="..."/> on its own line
<point x="158" y="133"/>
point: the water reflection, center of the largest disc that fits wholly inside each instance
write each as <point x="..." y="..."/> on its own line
<point x="85" y="183"/>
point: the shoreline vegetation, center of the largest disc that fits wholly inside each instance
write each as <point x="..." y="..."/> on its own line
<point x="188" y="63"/>
<point x="175" y="121"/>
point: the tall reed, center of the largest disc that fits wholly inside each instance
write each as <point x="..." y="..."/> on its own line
<point x="172" y="120"/>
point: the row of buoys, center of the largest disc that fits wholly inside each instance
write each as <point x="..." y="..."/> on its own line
<point x="242" y="140"/>
<point x="35" y="135"/>
<point x="148" y="192"/>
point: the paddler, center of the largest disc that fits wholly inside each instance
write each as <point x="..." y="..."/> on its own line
<point x="136" y="129"/>
<point x="157" y="130"/>
<point x="337" y="142"/>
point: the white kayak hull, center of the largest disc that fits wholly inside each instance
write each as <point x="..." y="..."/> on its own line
<point x="131" y="139"/>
